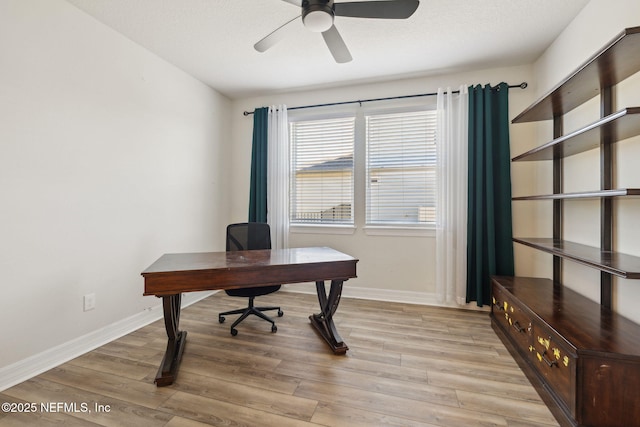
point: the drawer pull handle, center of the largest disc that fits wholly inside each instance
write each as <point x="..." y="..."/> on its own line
<point x="546" y="360"/>
<point x="498" y="306"/>
<point x="517" y="326"/>
<point x="545" y="342"/>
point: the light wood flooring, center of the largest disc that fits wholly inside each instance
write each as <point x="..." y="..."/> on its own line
<point x="408" y="365"/>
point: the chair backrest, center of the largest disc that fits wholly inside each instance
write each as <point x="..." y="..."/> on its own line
<point x="248" y="236"/>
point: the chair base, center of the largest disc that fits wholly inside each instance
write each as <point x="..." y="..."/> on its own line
<point x="250" y="310"/>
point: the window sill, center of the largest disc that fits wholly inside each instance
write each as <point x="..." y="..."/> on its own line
<point x="322" y="229"/>
<point x="371" y="230"/>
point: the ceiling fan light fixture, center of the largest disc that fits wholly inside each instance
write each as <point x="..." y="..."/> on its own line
<point x="317" y="16"/>
<point x="318" y="21"/>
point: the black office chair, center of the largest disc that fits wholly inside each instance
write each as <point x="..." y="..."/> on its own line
<point x="249" y="236"/>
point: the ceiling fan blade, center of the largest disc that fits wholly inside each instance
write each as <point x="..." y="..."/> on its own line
<point x="273" y="37"/>
<point x="336" y="45"/>
<point x="387" y="9"/>
<point x="294" y="2"/>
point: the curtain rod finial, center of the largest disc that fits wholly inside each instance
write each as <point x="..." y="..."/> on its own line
<point x="523" y="85"/>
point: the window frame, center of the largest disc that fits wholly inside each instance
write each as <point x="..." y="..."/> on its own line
<point x="359" y="164"/>
<point x="321" y="227"/>
<point x="400" y="225"/>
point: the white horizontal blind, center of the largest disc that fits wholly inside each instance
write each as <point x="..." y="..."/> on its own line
<point x="322" y="171"/>
<point x="401" y="164"/>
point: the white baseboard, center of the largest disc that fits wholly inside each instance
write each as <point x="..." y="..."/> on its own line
<point x="34" y="365"/>
<point x="406" y="297"/>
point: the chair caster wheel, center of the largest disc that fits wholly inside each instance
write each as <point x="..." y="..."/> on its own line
<point x="280" y="313"/>
<point x="234" y="332"/>
<point x="221" y="319"/>
<point x="274" y="329"/>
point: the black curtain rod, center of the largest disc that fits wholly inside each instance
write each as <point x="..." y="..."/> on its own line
<point x="522" y="85"/>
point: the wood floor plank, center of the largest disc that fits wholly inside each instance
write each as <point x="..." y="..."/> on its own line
<point x="450" y="351"/>
<point x="486" y="386"/>
<point x="440" y="415"/>
<point x="479" y="369"/>
<point x="262" y="379"/>
<point x="376" y="354"/>
<point x="132" y="369"/>
<point x="417" y="390"/>
<point x="37" y="418"/>
<point x="235" y="393"/>
<point x="138" y="392"/>
<point x="418" y="328"/>
<point x="198" y="353"/>
<point x="121" y="349"/>
<point x="352" y="364"/>
<point x="86" y="407"/>
<point x="446" y="343"/>
<point x="217" y="413"/>
<point x="534" y="412"/>
<point x="185" y="422"/>
<point x="408" y="365"/>
<point x="338" y="415"/>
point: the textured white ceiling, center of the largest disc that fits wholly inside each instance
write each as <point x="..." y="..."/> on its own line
<point x="213" y="39"/>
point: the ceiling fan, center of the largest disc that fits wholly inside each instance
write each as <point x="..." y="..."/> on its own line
<point x="318" y="15"/>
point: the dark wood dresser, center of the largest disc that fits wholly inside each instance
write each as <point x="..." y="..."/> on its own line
<point x="583" y="359"/>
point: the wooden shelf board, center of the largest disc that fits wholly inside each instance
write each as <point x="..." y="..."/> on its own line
<point x="618" y="192"/>
<point x="615" y="62"/>
<point x="618" y="126"/>
<point x="625" y="266"/>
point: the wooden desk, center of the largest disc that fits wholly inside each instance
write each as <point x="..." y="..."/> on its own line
<point x="173" y="274"/>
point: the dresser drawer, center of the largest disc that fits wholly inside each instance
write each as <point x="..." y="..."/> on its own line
<point x="553" y="360"/>
<point x="511" y="316"/>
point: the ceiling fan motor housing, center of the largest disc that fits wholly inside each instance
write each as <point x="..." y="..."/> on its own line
<point x="317" y="15"/>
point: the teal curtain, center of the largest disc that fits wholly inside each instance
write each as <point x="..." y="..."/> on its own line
<point x="489" y="230"/>
<point x="258" y="184"/>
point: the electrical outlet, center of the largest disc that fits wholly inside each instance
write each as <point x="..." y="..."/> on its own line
<point x="89" y="302"/>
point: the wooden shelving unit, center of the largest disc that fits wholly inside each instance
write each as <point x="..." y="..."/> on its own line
<point x="558" y="337"/>
<point x="615" y="62"/>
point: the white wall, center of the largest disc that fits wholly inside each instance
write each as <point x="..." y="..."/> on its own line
<point x="400" y="267"/>
<point x="109" y="157"/>
<point x="597" y="24"/>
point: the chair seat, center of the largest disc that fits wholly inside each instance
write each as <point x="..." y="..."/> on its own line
<point x="249" y="292"/>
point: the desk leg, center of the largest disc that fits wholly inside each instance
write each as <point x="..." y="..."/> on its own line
<point x="175" y="343"/>
<point x="323" y="321"/>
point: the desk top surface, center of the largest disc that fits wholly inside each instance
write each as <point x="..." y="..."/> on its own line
<point x="206" y="261"/>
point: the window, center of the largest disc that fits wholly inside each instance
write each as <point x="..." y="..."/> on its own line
<point x="322" y="171"/>
<point x="394" y="171"/>
<point x="401" y="161"/>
